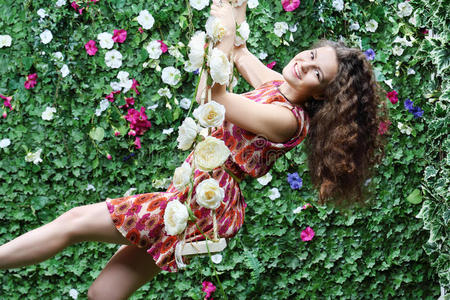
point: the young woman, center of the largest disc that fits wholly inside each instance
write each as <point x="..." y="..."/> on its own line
<point x="328" y="92"/>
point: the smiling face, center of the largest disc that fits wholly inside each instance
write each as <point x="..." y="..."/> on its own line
<point x="309" y="73"/>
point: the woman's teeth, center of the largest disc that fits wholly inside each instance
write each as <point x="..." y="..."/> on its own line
<point x="297" y="71"/>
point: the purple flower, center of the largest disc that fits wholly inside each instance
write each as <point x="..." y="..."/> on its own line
<point x="417" y="112"/>
<point x="408" y="104"/>
<point x="370" y="54"/>
<point x="295" y="181"/>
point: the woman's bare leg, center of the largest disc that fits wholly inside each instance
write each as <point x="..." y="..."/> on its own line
<point x="128" y="269"/>
<point x="84" y="223"/>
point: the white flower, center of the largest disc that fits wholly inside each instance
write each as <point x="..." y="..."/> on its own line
<point x="5" y="41"/>
<point x="73" y="293"/>
<point x="404" y="128"/>
<point x="171" y="76"/>
<point x="411" y="71"/>
<point x="264" y="180"/>
<point x="65" y="70"/>
<point x="181" y="176"/>
<point x="48" y="113"/>
<point x="210" y="154"/>
<point x="175" y="52"/>
<point x="105" y="39"/>
<point x="152" y="107"/>
<point x="216" y="258"/>
<point x="34" y="157"/>
<point x="41" y="13"/>
<point x="211" y="114"/>
<point x="242" y="33"/>
<point x="60" y="3"/>
<point x="175" y="217"/>
<point x="220" y="67"/>
<point x="209" y="194"/>
<point x="397" y="50"/>
<point x="58" y="56"/>
<point x="274" y="193"/>
<point x="403" y="41"/>
<point x="215" y="29"/>
<point x="188" y="67"/>
<point x="145" y="19"/>
<point x="262" y="55"/>
<point x="338" y="5"/>
<point x="113" y="59"/>
<point x="123" y="75"/>
<point x="167" y="131"/>
<point x="165" y="92"/>
<point x="252" y="3"/>
<point x="154" y="49"/>
<point x="293" y="28"/>
<point x="371" y="25"/>
<point x="280" y="28"/>
<point x="298" y="210"/>
<point x="115" y="86"/>
<point x="104" y="104"/>
<point x="5" y="143"/>
<point x="389" y="83"/>
<point x="185" y="103"/>
<point x="404" y="9"/>
<point x="197" y="50"/>
<point x="129" y="192"/>
<point x="199" y="4"/>
<point x="161" y="183"/>
<point x="187" y="132"/>
<point x="354" y="26"/>
<point x="124" y="81"/>
<point x="413" y="20"/>
<point x="90" y="187"/>
<point x="46" y="36"/>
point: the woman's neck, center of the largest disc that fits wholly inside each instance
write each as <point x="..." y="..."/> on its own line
<point x="291" y="95"/>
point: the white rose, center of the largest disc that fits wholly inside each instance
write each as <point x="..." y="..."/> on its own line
<point x="182" y="176"/>
<point x="274" y="193"/>
<point x="65" y="70"/>
<point x="175" y="217"/>
<point x="5" y="143"/>
<point x="113" y="59"/>
<point x="48" y="113"/>
<point x="34" y="157"/>
<point x="252" y="3"/>
<point x="371" y="25"/>
<point x="280" y="28"/>
<point x="185" y="103"/>
<point x="5" y="41"/>
<point x="242" y="33"/>
<point x="404" y="9"/>
<point x="60" y="3"/>
<point x="220" y="67"/>
<point x="46" y="36"/>
<point x="264" y="180"/>
<point x="145" y="19"/>
<point x="210" y="154"/>
<point x="338" y="5"/>
<point x="199" y="4"/>
<point x="105" y="39"/>
<point x="154" y="49"/>
<point x="209" y="194"/>
<point x="215" y="29"/>
<point x="210" y="114"/>
<point x="197" y="50"/>
<point x="171" y="76"/>
<point x="187" y="133"/>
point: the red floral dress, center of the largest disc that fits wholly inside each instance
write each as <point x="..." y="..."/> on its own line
<point x="140" y="217"/>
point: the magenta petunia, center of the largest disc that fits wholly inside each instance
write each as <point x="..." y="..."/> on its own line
<point x="31" y="81"/>
<point x="163" y="46"/>
<point x="134" y="86"/>
<point x="392" y="96"/>
<point x="290" y="5"/>
<point x="208" y="288"/>
<point x="141" y="30"/>
<point x="120" y="35"/>
<point x="271" y="65"/>
<point x="137" y="142"/>
<point x="307" y="234"/>
<point x="383" y="127"/>
<point x="90" y="47"/>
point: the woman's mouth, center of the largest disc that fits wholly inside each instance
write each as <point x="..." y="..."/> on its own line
<point x="296" y="71"/>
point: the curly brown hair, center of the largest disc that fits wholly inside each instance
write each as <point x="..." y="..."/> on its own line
<point x="343" y="144"/>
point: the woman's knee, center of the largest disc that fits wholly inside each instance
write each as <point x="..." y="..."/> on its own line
<point x="72" y="223"/>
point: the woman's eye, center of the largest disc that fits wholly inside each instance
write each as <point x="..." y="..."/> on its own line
<point x="317" y="74"/>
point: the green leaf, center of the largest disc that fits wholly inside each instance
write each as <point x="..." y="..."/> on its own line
<point x="97" y="133"/>
<point x="415" y="197"/>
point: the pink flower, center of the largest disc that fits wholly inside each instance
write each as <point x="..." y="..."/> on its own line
<point x="306" y="206"/>
<point x="132" y="132"/>
<point x="74" y="5"/>
<point x="7" y="102"/>
<point x="137" y="142"/>
<point x="32" y="76"/>
<point x="393" y="96"/>
<point x="290" y="5"/>
<point x="141" y="30"/>
<point x="138" y="119"/>
<point x="109" y="156"/>
<point x="163" y="46"/>
<point x="31" y="81"/>
<point x="424" y="31"/>
<point x="307" y="234"/>
<point x="94" y="1"/>
<point x="80" y="11"/>
<point x="110" y="97"/>
<point x="91" y="49"/>
<point x="271" y="65"/>
<point x="134" y="86"/>
<point x="383" y="128"/>
<point x="120" y="35"/>
<point x="128" y="101"/>
<point x="117" y="133"/>
<point x="208" y="288"/>
<point x="4" y="115"/>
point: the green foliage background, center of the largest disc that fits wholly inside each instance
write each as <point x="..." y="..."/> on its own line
<point x="383" y="252"/>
